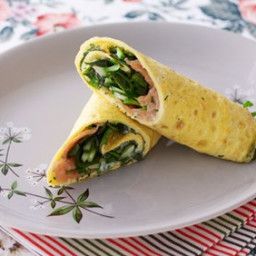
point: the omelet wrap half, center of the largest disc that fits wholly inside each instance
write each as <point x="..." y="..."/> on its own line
<point x="168" y="102"/>
<point x="102" y="139"/>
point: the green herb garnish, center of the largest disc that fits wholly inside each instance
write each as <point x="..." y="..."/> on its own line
<point x="247" y="104"/>
<point x="115" y="74"/>
<point x="87" y="153"/>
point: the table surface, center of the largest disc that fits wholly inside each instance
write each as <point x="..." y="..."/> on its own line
<point x="22" y="20"/>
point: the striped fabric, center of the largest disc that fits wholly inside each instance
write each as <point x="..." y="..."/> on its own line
<point x="231" y="234"/>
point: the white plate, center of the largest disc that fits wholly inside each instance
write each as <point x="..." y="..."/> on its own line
<point x="173" y="187"/>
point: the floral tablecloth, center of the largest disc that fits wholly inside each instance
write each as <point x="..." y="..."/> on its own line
<point x="22" y="20"/>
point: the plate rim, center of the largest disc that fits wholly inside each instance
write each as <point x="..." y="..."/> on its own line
<point x="141" y="230"/>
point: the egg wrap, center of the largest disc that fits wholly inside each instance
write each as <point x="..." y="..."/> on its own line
<point x="188" y="112"/>
<point x="95" y="114"/>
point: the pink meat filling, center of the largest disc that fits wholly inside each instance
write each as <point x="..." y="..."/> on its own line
<point x="150" y="101"/>
<point x="65" y="168"/>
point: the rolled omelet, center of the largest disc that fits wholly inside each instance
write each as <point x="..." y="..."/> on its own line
<point x="168" y="102"/>
<point x="102" y="139"/>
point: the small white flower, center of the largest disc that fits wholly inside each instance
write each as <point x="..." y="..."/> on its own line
<point x="14" y="133"/>
<point x="25" y="134"/>
<point x="34" y="183"/>
<point x="9" y="125"/>
<point x="36" y="205"/>
<point x="36" y="175"/>
<point x="27" y="171"/>
<point x="41" y="206"/>
<point x="4" y="193"/>
<point x="3" y="133"/>
<point x="239" y="94"/>
<point x="29" y="177"/>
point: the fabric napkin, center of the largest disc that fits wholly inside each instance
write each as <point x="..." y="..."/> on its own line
<point x="233" y="233"/>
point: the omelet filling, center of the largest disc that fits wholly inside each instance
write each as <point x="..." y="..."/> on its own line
<point x="120" y="73"/>
<point x="99" y="149"/>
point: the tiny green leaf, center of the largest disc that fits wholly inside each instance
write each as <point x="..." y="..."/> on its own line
<point x="82" y="197"/>
<point x="62" y="210"/>
<point x="20" y="193"/>
<point x="67" y="187"/>
<point x="14" y="185"/>
<point x="10" y="195"/>
<point x="106" y="136"/>
<point x="59" y="198"/>
<point x="4" y="169"/>
<point x="89" y="204"/>
<point x="253" y="113"/>
<point x="53" y="204"/>
<point x="16" y="140"/>
<point x="112" y="68"/>
<point x="120" y="54"/>
<point x="48" y="192"/>
<point x="129" y="101"/>
<point x="247" y="104"/>
<point x="77" y="214"/>
<point x="60" y="191"/>
<point x="6" y="141"/>
<point x="101" y="63"/>
<point x="14" y="164"/>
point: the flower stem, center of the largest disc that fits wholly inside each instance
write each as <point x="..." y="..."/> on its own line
<point x="7" y="156"/>
<point x="13" y="171"/>
<point x="74" y="201"/>
<point x="35" y="195"/>
<point x="100" y="214"/>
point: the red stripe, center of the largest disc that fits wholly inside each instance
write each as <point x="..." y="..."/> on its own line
<point x="253" y="203"/>
<point x="251" y="224"/>
<point x="253" y="220"/>
<point x="48" y="244"/>
<point x="61" y="245"/>
<point x="199" y="234"/>
<point x="33" y="242"/>
<point x="228" y="247"/>
<point x="208" y="231"/>
<point x="218" y="250"/>
<point x="243" y="252"/>
<point x="134" y="246"/>
<point x="241" y="213"/>
<point x="248" y="209"/>
<point x="144" y="246"/>
<point x="192" y="238"/>
<point x="212" y="254"/>
<point x="121" y="246"/>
